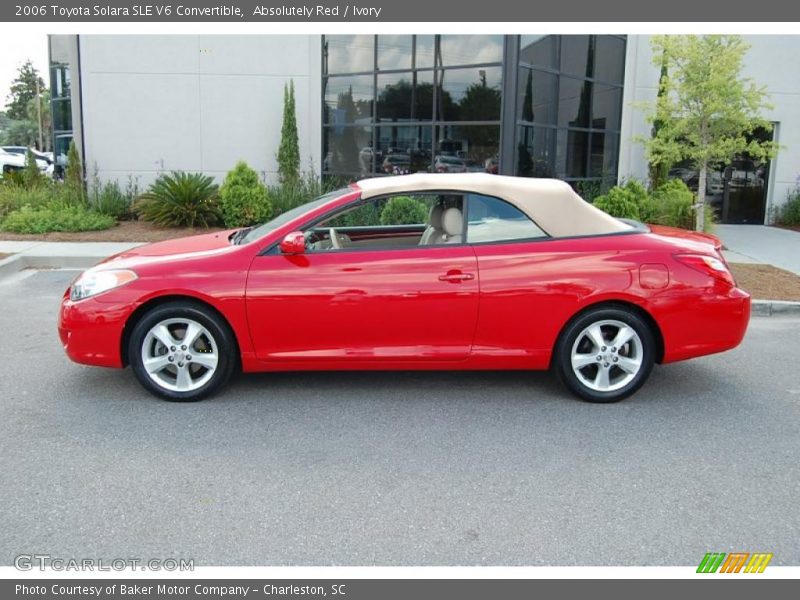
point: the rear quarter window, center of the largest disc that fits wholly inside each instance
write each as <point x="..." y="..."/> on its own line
<point x="494" y="220"/>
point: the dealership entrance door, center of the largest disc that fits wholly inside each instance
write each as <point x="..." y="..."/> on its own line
<point x="737" y="191"/>
<point x="740" y="188"/>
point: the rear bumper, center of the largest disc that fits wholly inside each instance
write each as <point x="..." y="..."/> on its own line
<point x="715" y="322"/>
<point x="91" y="331"/>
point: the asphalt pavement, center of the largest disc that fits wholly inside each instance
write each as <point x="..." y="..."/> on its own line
<point x="395" y="468"/>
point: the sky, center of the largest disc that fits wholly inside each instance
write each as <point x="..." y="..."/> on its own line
<point x="15" y="49"/>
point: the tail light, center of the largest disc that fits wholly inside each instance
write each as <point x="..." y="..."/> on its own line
<point x="709" y="265"/>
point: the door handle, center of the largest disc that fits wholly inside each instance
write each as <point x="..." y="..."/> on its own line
<point x="456" y="277"/>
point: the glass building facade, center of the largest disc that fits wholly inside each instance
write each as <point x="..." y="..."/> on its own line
<point x="63" y="53"/>
<point x="534" y="106"/>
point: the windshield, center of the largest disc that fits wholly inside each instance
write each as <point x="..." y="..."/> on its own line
<point x="283" y="218"/>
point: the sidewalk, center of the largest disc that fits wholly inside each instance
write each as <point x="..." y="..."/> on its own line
<point x="58" y="255"/>
<point x="760" y="244"/>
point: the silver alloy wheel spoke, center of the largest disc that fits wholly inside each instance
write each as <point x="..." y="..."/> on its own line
<point x="582" y="360"/>
<point x="596" y="335"/>
<point x="607" y="355"/>
<point x="163" y="335"/>
<point x="205" y="359"/>
<point x="623" y="337"/>
<point x="193" y="331"/>
<point x="183" y="381"/>
<point x="629" y="365"/>
<point x="601" y="380"/>
<point x="157" y="363"/>
<point x="172" y="347"/>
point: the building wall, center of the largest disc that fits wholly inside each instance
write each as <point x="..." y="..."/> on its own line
<point x="769" y="62"/>
<point x="196" y="102"/>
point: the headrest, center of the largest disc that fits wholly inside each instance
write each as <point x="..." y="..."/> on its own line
<point x="453" y="222"/>
<point x="435" y="216"/>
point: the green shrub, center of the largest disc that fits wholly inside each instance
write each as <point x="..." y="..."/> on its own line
<point x="110" y="199"/>
<point x="404" y="210"/>
<point x="15" y="196"/>
<point x="180" y="200"/>
<point x="55" y="217"/>
<point x="243" y="198"/>
<point x="366" y="215"/>
<point x="671" y="204"/>
<point x="789" y="212"/>
<point x="618" y="202"/>
<point x="591" y="189"/>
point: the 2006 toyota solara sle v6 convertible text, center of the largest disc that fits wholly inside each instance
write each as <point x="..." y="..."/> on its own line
<point x="439" y="271"/>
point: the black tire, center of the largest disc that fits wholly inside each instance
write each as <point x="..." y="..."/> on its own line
<point x="562" y="359"/>
<point x="220" y="332"/>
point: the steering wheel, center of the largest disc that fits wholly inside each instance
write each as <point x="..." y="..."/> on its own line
<point x="334" y="237"/>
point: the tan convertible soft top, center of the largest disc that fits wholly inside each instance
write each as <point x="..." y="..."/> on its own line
<point x="551" y="203"/>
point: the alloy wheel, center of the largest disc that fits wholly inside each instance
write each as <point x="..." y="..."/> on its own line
<point x="607" y="355"/>
<point x="180" y="354"/>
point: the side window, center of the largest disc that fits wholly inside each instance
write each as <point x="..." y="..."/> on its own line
<point x="389" y="211"/>
<point x="396" y="221"/>
<point x="494" y="220"/>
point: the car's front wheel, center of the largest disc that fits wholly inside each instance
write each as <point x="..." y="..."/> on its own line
<point x="605" y="355"/>
<point x="182" y="351"/>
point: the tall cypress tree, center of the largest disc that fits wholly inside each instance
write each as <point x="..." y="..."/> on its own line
<point x="289" y="149"/>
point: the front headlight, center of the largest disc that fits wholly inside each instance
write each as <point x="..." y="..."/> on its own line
<point x="91" y="282"/>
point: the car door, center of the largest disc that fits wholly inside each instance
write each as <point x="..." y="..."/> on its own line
<point x="408" y="304"/>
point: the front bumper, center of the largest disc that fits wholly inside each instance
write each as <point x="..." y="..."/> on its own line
<point x="91" y="330"/>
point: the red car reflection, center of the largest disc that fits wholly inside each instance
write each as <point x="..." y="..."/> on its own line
<point x="428" y="271"/>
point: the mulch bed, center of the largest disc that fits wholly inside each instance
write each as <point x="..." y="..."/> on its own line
<point x="124" y="231"/>
<point x="765" y="282"/>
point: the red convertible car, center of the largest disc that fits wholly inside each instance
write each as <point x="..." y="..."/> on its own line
<point x="430" y="271"/>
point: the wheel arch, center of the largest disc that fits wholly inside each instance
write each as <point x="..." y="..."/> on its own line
<point x="152" y="303"/>
<point x="658" y="336"/>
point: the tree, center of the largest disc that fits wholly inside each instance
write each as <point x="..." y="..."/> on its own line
<point x="289" y="149"/>
<point x="19" y="133"/>
<point x="23" y="89"/>
<point x="658" y="169"/>
<point x="73" y="177"/>
<point x="707" y="112"/>
<point x="31" y="176"/>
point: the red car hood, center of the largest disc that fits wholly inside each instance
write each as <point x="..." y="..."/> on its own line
<point x="205" y="244"/>
<point x="685" y="234"/>
<point x="195" y="243"/>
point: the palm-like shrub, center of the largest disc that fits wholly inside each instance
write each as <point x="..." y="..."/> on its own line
<point x="180" y="200"/>
<point x="243" y="198"/>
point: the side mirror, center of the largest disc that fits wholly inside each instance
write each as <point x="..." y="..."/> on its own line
<point x="293" y="243"/>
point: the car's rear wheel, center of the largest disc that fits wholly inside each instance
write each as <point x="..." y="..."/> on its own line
<point x="605" y="355"/>
<point x="182" y="352"/>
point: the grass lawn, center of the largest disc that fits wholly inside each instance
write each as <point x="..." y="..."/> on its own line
<point x="765" y="282"/>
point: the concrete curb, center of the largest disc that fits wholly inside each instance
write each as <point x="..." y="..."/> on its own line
<point x="768" y="308"/>
<point x="18" y="262"/>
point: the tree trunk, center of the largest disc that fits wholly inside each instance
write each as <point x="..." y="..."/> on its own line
<point x="700" y="207"/>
